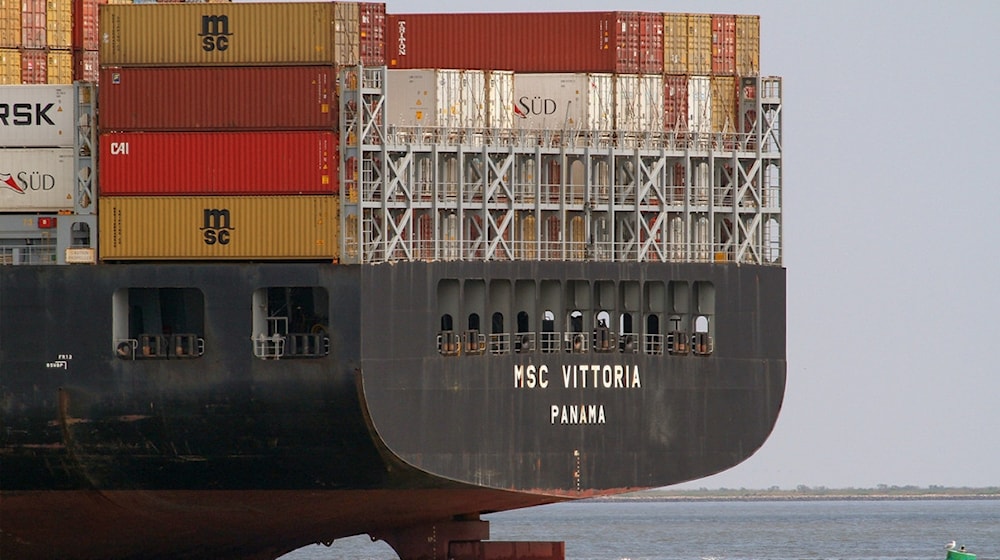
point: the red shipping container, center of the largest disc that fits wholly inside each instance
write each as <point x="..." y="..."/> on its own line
<point x="34" y="66"/>
<point x="33" y="29"/>
<point x="723" y="45"/>
<point x="640" y="43"/>
<point x="526" y="42"/>
<point x="85" y="25"/>
<point x="85" y="65"/>
<point x="219" y="98"/>
<point x="372" y="47"/>
<point x="675" y="103"/>
<point x="209" y="163"/>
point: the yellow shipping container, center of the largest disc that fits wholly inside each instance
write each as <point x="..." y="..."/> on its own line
<point x="723" y="104"/>
<point x="221" y="34"/>
<point x="699" y="44"/>
<point x="10" y="23"/>
<point x="59" y="24"/>
<point x="219" y="227"/>
<point x="747" y="45"/>
<point x="10" y="66"/>
<point x="675" y="43"/>
<point x="60" y="67"/>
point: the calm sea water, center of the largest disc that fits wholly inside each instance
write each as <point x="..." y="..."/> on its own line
<point x="821" y="530"/>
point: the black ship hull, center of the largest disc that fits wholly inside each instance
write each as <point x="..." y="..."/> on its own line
<point x="384" y="398"/>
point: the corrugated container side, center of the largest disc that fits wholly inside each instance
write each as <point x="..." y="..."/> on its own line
<point x="210" y="163"/>
<point x="724" y="104"/>
<point x="219" y="228"/>
<point x="639" y="102"/>
<point x="85" y="66"/>
<point x="699" y="44"/>
<point x="434" y="98"/>
<point x="217" y="34"/>
<point x="700" y="104"/>
<point x="219" y="98"/>
<point x="10" y="66"/>
<point x="372" y="47"/>
<point x="33" y="34"/>
<point x="500" y="104"/>
<point x="600" y="102"/>
<point x="675" y="43"/>
<point x="747" y="45"/>
<point x="675" y="103"/>
<point x="85" y="25"/>
<point x="59" y="24"/>
<point x="637" y="40"/>
<point x="723" y="45"/>
<point x="36" y="179"/>
<point x="60" y="67"/>
<point x="651" y="43"/>
<point x="10" y="23"/>
<point x="564" y="101"/>
<point x="346" y="33"/>
<point x="474" y="99"/>
<point x="34" y="66"/>
<point x="566" y="42"/>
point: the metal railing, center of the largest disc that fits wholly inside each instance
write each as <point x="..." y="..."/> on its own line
<point x="600" y="340"/>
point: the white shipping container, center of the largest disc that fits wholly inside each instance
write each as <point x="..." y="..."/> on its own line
<point x="639" y="102"/>
<point x="436" y="98"/>
<point x="500" y="99"/>
<point x="474" y="99"/>
<point x="564" y="101"/>
<point x="36" y="180"/>
<point x="700" y="104"/>
<point x="36" y="116"/>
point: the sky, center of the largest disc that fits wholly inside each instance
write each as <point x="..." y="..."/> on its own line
<point x="890" y="230"/>
<point x="891" y="117"/>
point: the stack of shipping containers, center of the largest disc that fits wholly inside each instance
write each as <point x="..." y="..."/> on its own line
<point x="638" y="71"/>
<point x="36" y="42"/>
<point x="614" y="74"/>
<point x="219" y="127"/>
<point x="37" y="172"/>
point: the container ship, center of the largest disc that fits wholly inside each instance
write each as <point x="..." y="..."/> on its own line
<point x="278" y="274"/>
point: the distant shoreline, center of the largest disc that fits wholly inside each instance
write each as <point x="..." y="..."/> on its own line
<point x="808" y="494"/>
<point x="796" y="498"/>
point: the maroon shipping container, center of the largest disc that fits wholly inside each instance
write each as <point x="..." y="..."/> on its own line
<point x="34" y="66"/>
<point x="85" y="65"/>
<point x="675" y="103"/>
<point x="527" y="42"/>
<point x="219" y="98"/>
<point x="640" y="43"/>
<point x="372" y="30"/>
<point x="85" y="25"/>
<point x="209" y="163"/>
<point x="33" y="29"/>
<point x="723" y="45"/>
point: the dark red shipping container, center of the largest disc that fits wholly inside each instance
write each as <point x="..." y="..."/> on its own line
<point x="85" y="25"/>
<point x="34" y="66"/>
<point x="219" y="98"/>
<point x="372" y="30"/>
<point x="675" y="103"/>
<point x="210" y="163"/>
<point x="33" y="25"/>
<point x="527" y="42"/>
<point x="85" y="65"/>
<point x="723" y="45"/>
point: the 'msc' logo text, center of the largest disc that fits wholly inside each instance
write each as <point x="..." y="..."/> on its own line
<point x="214" y="33"/>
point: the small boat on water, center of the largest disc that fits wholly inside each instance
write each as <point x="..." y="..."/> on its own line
<point x="958" y="553"/>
